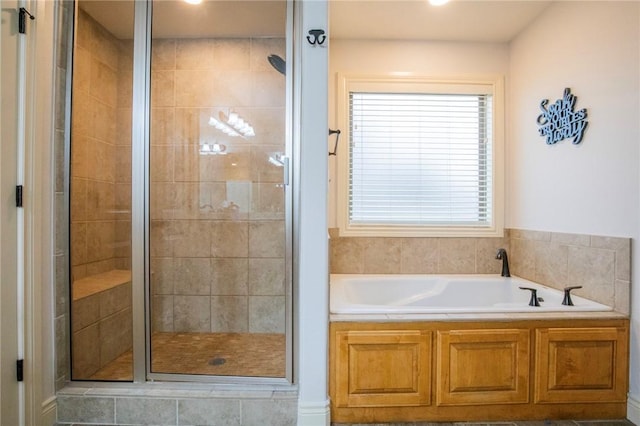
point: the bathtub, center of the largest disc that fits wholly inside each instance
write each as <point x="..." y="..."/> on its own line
<point x="435" y="294"/>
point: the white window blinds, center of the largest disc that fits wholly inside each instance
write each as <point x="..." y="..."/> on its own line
<point x="420" y="159"/>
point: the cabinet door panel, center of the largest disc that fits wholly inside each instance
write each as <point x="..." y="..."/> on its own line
<point x="383" y="368"/>
<point x="483" y="367"/>
<point x="581" y="365"/>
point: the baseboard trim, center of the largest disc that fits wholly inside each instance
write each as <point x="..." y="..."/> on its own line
<point x="49" y="412"/>
<point x="314" y="413"/>
<point x="633" y="409"/>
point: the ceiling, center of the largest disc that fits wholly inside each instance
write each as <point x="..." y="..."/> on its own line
<point x="212" y="18"/>
<point x="459" y="20"/>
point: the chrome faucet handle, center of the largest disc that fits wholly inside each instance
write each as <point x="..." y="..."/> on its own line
<point x="567" y="295"/>
<point x="534" y="296"/>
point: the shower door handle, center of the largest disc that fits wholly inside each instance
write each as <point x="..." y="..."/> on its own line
<point x="285" y="171"/>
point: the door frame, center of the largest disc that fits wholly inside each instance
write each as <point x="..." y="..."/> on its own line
<point x="12" y="45"/>
<point x="35" y="230"/>
<point x="41" y="208"/>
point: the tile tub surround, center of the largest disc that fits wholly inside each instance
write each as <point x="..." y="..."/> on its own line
<point x="600" y="264"/>
<point x="356" y="255"/>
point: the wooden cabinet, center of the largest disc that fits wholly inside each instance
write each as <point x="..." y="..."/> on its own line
<point x="466" y="371"/>
<point x="383" y="368"/>
<point x="482" y="366"/>
<point x="581" y="364"/>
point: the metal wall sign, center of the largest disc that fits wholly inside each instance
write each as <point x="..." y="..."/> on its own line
<point x="559" y="121"/>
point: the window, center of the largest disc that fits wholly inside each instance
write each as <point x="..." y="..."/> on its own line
<point x="421" y="158"/>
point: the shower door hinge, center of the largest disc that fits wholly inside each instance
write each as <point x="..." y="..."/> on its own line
<point x="20" y="370"/>
<point x="19" y="196"/>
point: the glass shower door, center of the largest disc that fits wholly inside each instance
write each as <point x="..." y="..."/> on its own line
<point x="99" y="174"/>
<point x="218" y="246"/>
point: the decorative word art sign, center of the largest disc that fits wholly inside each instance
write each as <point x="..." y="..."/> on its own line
<point x="560" y="121"/>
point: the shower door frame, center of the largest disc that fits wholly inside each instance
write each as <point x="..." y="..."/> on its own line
<point x="140" y="212"/>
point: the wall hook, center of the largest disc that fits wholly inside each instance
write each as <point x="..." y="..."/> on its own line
<point x="316" y="37"/>
<point x="22" y="24"/>
<point x="335" y="146"/>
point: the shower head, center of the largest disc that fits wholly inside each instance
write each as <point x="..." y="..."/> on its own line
<point x="278" y="63"/>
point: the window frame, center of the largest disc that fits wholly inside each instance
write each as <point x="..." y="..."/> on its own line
<point x="392" y="83"/>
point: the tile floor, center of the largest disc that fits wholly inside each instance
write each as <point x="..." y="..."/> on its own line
<point x="222" y="354"/>
<point x="518" y="423"/>
<point x="259" y="355"/>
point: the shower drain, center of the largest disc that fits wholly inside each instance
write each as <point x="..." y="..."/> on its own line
<point x="217" y="361"/>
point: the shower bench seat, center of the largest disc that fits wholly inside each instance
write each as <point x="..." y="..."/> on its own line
<point x="98" y="283"/>
<point x="101" y="318"/>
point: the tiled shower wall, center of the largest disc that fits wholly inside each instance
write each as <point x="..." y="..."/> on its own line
<point x="64" y="15"/>
<point x="80" y="406"/>
<point x="100" y="181"/>
<point x="100" y="148"/>
<point x="600" y="264"/>
<point x="217" y="229"/>
<point x="217" y="221"/>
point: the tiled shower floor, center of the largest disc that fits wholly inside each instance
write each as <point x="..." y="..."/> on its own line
<point x="224" y="354"/>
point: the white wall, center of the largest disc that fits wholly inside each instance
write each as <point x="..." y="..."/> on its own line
<point x="311" y="247"/>
<point x="591" y="188"/>
<point x="41" y="255"/>
<point x="420" y="58"/>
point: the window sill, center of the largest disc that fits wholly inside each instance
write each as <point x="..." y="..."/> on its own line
<point x="420" y="232"/>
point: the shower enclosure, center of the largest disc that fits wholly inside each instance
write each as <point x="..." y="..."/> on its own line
<point x="179" y="191"/>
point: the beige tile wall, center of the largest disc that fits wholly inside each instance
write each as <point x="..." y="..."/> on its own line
<point x="415" y="255"/>
<point x="100" y="184"/>
<point x="64" y="14"/>
<point x="600" y="264"/>
<point x="102" y="329"/>
<point x="100" y="181"/>
<point x="217" y="222"/>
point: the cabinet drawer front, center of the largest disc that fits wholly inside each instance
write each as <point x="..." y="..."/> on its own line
<point x="383" y="368"/>
<point x="483" y="367"/>
<point x="581" y="365"/>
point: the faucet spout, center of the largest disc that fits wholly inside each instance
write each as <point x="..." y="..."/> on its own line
<point x="502" y="255"/>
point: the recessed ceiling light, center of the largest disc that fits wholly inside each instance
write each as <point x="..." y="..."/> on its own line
<point x="438" y="2"/>
<point x="193" y="1"/>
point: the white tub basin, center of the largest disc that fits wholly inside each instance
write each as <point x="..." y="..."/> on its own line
<point x="416" y="294"/>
